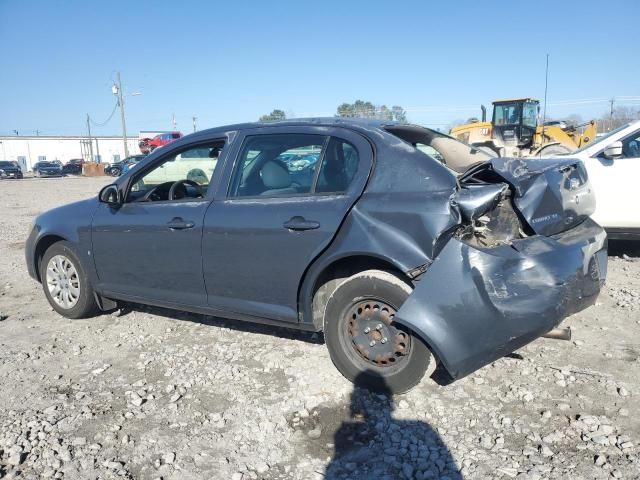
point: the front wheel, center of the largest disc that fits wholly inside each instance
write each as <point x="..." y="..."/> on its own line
<point x="364" y="342"/>
<point x="66" y="284"/>
<point x="553" y="150"/>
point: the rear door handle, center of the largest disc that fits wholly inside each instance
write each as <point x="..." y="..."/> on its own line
<point x="178" y="223"/>
<point x="300" y="223"/>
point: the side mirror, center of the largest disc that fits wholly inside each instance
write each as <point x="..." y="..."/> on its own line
<point x="110" y="195"/>
<point x="614" y="150"/>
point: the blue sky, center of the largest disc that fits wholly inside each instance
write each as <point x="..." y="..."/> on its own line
<point x="228" y="62"/>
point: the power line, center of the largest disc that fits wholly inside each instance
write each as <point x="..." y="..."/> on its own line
<point x="95" y="124"/>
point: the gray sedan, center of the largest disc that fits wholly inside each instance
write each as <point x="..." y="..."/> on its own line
<point x="400" y="259"/>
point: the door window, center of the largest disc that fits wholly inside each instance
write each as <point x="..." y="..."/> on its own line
<point x="277" y="165"/>
<point x="293" y="164"/>
<point x="631" y="146"/>
<point x="193" y="167"/>
<point x="339" y="166"/>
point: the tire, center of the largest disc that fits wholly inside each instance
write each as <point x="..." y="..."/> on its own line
<point x="553" y="150"/>
<point x="59" y="265"/>
<point x="369" y="300"/>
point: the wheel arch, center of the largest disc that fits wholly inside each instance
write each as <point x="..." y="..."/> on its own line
<point x="41" y="246"/>
<point x="323" y="277"/>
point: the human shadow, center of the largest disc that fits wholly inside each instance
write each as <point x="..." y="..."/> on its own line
<point x="372" y="444"/>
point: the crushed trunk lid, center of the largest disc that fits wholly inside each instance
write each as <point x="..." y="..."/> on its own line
<point x="551" y="195"/>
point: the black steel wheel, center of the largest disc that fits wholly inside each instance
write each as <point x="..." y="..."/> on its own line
<point x="369" y="330"/>
<point x="364" y="341"/>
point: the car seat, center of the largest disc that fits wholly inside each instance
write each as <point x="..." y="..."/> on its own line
<point x="276" y="179"/>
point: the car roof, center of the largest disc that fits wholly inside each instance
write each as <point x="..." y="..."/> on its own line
<point x="360" y="123"/>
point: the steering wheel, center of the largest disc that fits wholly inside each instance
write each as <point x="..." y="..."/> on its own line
<point x="156" y="193"/>
<point x="181" y="184"/>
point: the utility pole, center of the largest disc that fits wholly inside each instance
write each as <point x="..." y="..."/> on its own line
<point x="117" y="90"/>
<point x="546" y="84"/>
<point x="194" y="118"/>
<point x="611" y="113"/>
<point x="90" y="140"/>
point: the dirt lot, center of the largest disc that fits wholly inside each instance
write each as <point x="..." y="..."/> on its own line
<point x="151" y="393"/>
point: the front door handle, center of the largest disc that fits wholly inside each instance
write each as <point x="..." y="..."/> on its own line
<point x="178" y="223"/>
<point x="300" y="223"/>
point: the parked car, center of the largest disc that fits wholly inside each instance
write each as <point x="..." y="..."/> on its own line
<point x="148" y="145"/>
<point x="73" y="167"/>
<point x="115" y="169"/>
<point x="48" y="169"/>
<point x="131" y="162"/>
<point x="613" y="164"/>
<point x="10" y="169"/>
<point x="389" y="252"/>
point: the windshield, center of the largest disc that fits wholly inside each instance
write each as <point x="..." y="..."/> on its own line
<point x="599" y="139"/>
<point x="7" y="164"/>
<point x="48" y="164"/>
<point x="506" y="114"/>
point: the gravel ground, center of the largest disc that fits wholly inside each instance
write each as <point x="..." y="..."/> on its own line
<point x="149" y="393"/>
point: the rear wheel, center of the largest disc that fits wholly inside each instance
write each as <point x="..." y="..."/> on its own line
<point x="364" y="341"/>
<point x="66" y="285"/>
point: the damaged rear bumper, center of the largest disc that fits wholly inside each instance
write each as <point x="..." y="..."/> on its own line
<point x="475" y="305"/>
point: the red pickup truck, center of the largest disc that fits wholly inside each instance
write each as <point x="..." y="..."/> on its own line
<point x="148" y="145"/>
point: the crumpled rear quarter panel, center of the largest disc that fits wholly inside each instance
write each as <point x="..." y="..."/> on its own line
<point x="474" y="306"/>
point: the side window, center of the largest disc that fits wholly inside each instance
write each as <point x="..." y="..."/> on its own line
<point x="339" y="166"/>
<point x="194" y="166"/>
<point x="432" y="152"/>
<point x="277" y="165"/>
<point x="631" y="147"/>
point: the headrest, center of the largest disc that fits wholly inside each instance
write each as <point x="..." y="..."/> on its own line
<point x="275" y="175"/>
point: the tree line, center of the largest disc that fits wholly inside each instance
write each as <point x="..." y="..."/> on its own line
<point x="357" y="109"/>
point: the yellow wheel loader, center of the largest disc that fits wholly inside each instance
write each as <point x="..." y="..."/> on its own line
<point x="514" y="131"/>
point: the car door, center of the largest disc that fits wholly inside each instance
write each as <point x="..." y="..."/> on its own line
<point x="150" y="247"/>
<point x="275" y="217"/>
<point x="615" y="183"/>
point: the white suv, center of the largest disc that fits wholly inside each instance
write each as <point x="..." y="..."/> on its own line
<point x="613" y="164"/>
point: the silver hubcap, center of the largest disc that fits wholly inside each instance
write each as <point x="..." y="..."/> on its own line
<point x="63" y="281"/>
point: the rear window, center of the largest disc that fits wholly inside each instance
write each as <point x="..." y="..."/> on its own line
<point x="447" y="150"/>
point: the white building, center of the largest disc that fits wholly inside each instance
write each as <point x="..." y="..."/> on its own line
<point x="29" y="150"/>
